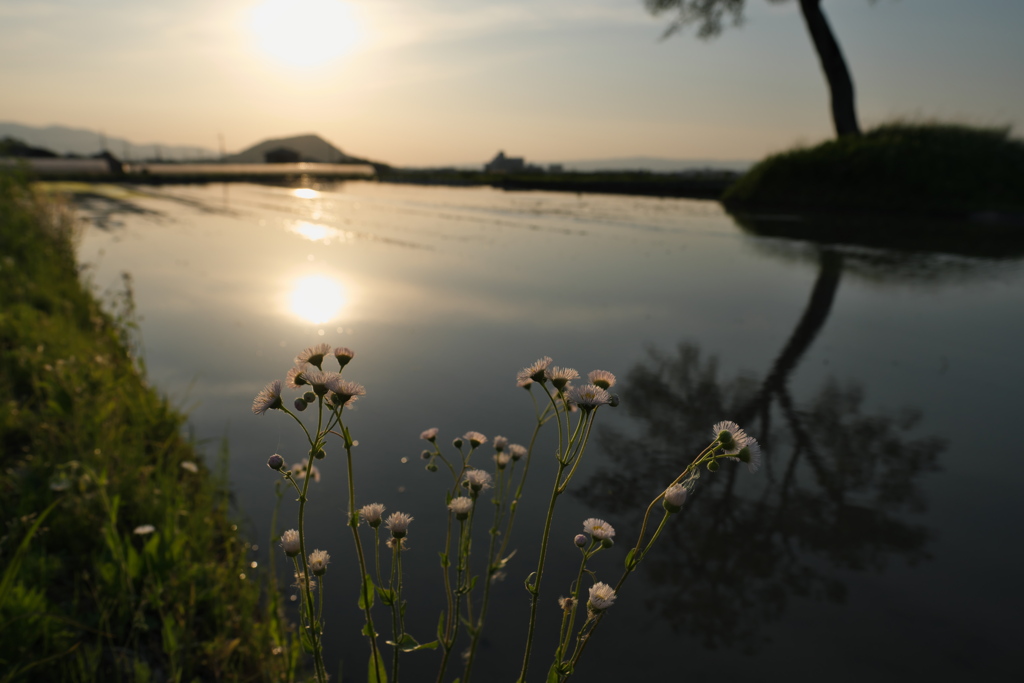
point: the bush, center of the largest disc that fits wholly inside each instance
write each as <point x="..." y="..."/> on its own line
<point x="936" y="169"/>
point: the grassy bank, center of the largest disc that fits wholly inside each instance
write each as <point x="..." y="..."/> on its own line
<point x="118" y="556"/>
<point x="923" y="169"/>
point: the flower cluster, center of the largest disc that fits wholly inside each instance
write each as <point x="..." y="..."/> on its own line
<point x="573" y="407"/>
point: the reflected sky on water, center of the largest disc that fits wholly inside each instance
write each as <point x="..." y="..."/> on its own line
<point x="881" y="539"/>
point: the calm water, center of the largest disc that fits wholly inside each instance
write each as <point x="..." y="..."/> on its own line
<point x="882" y="539"/>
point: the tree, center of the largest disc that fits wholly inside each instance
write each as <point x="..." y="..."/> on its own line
<point x="710" y="15"/>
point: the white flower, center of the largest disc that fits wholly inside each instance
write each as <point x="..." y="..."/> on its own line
<point x="190" y="466"/>
<point x="398" y="523"/>
<point x="371" y="514"/>
<point x="268" y="398"/>
<point x="296" y="377"/>
<point x="290" y="542"/>
<point x="729" y="434"/>
<point x="533" y="373"/>
<point x="598" y="528"/>
<point x="300" y="582"/>
<point x="343" y="355"/>
<point x="601" y="596"/>
<point x="461" y="506"/>
<point x="560" y="376"/>
<point x="500" y="443"/>
<point x="602" y="378"/>
<point x="318" y="560"/>
<point x="751" y="454"/>
<point x="676" y="495"/>
<point x="314" y="355"/>
<point x="144" y="529"/>
<point x="299" y="471"/>
<point x="517" y="451"/>
<point x="589" y="396"/>
<point x="478" y="480"/>
<point x="474" y="438"/>
<point x="319" y="380"/>
<point x="429" y="434"/>
<point x="390" y="543"/>
<point x="345" y="392"/>
<point x="502" y="459"/>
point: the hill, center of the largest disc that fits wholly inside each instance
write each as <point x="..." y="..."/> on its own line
<point x="82" y="142"/>
<point x="309" y="147"/>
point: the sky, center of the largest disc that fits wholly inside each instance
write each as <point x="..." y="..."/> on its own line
<point x="437" y="82"/>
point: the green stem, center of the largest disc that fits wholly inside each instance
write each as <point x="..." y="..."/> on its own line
<point x="535" y="587"/>
<point x="396" y="605"/>
<point x="353" y="523"/>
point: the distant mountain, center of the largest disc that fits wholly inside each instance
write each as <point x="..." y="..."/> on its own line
<point x="655" y="164"/>
<point x="64" y="140"/>
<point x="306" y="147"/>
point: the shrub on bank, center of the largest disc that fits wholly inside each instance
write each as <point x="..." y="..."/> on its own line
<point x="118" y="558"/>
<point x="922" y="168"/>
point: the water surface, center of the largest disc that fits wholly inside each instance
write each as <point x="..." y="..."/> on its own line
<point x="881" y="540"/>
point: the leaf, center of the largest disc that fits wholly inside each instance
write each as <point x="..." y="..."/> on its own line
<point x="376" y="671"/>
<point x="10" y="573"/>
<point x="134" y="562"/>
<point x="440" y="626"/>
<point x="432" y="645"/>
<point x="629" y="559"/>
<point x="366" y="591"/>
<point x="387" y="596"/>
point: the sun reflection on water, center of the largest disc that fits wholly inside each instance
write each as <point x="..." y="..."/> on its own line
<point x="305" y="193"/>
<point x="315" y="232"/>
<point x="317" y="299"/>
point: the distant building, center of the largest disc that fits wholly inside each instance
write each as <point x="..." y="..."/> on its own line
<point x="504" y="164"/>
<point x="282" y="155"/>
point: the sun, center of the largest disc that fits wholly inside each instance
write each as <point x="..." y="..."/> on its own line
<point x="304" y="33"/>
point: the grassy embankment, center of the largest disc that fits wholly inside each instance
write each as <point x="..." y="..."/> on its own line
<point x="90" y="454"/>
<point x="934" y="170"/>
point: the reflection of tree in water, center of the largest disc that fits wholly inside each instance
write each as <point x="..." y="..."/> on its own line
<point x="836" y="486"/>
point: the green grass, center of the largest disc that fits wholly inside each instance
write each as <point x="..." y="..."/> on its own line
<point x="90" y="453"/>
<point x="932" y="169"/>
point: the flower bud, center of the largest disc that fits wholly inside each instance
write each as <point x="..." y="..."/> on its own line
<point x="300" y="405"/>
<point x="320" y="454"/>
<point x="290" y="542"/>
<point x="425" y="455"/>
<point x="607" y="543"/>
<point x="309" y="397"/>
<point x="457" y="442"/>
<point x="675" y="496"/>
<point x="275" y="462"/>
<point x="713" y="466"/>
<point x="580" y="540"/>
<point x="318" y="560"/>
<point x="432" y="467"/>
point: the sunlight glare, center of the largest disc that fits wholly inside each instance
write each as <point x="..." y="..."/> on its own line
<point x="315" y="232"/>
<point x="304" y="33"/>
<point x="305" y="193"/>
<point x="317" y="299"/>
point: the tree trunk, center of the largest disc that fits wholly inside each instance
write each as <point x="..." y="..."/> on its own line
<point x="844" y="113"/>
